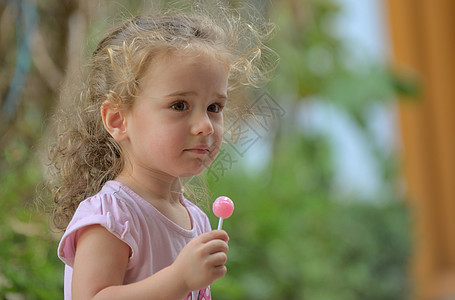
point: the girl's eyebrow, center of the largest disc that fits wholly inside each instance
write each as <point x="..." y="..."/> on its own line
<point x="183" y="94"/>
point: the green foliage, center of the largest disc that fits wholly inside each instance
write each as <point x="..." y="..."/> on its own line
<point x="29" y="267"/>
<point x="291" y="238"/>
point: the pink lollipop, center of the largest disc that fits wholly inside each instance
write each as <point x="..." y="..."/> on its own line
<point x="223" y="208"/>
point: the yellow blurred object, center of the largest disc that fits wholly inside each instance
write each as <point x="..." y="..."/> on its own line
<point x="423" y="39"/>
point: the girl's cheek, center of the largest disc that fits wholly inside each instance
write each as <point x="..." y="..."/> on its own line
<point x="214" y="154"/>
<point x="220" y="128"/>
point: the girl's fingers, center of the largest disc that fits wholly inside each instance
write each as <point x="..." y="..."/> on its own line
<point x="216" y="246"/>
<point x="214" y="235"/>
<point x="218" y="259"/>
<point x="219" y="271"/>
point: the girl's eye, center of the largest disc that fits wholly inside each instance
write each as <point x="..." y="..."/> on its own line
<point x="215" y="107"/>
<point x="180" y="106"/>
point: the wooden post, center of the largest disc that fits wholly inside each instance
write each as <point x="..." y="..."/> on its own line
<point x="423" y="40"/>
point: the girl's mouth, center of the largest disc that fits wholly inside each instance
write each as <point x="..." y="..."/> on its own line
<point x="200" y="149"/>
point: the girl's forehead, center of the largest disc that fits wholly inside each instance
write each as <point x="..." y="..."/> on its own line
<point x="177" y="59"/>
<point x="174" y="70"/>
<point x="196" y="52"/>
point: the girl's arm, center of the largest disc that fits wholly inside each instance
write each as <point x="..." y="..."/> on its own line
<point x="101" y="260"/>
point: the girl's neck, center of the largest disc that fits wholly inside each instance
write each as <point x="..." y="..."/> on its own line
<point x="163" y="193"/>
<point x="154" y="187"/>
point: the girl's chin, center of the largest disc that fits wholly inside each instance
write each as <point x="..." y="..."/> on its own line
<point x="191" y="174"/>
<point x="194" y="172"/>
<point x="195" y="168"/>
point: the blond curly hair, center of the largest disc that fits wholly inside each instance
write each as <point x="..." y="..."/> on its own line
<point x="84" y="155"/>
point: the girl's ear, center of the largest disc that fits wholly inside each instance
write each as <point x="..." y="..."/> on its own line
<point x="114" y="120"/>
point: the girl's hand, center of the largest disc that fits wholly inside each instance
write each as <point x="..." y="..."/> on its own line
<point x="202" y="260"/>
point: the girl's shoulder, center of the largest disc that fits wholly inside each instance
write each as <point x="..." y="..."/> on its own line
<point x="111" y="199"/>
<point x="111" y="208"/>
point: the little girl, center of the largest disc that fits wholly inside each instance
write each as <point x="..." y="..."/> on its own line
<point x="150" y="114"/>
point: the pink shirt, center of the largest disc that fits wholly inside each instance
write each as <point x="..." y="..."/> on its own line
<point x="155" y="241"/>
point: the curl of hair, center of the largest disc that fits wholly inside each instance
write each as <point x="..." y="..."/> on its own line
<point x="84" y="155"/>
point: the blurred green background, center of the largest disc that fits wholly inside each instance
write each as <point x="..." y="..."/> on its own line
<point x="302" y="228"/>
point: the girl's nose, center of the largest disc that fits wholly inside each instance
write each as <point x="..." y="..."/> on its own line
<point x="202" y="125"/>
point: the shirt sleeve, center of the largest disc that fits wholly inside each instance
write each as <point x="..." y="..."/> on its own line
<point x="105" y="210"/>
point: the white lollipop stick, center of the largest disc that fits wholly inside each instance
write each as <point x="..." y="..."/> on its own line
<point x="220" y="223"/>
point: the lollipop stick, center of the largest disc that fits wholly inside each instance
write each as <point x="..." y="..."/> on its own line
<point x="220" y="223"/>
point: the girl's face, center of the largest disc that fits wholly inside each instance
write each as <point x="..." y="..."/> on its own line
<point x="175" y="125"/>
